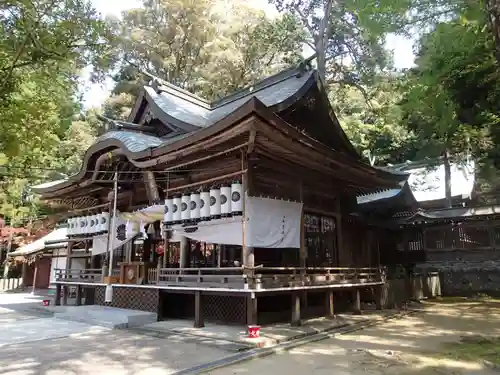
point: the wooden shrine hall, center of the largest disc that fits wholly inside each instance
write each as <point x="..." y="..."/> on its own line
<point x="243" y="210"/>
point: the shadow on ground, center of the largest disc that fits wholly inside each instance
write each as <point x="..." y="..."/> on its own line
<point x="410" y="345"/>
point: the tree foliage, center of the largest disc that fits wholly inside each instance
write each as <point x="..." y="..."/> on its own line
<point x="43" y="45"/>
<point x="451" y="97"/>
<point x="199" y="46"/>
<point x="376" y="128"/>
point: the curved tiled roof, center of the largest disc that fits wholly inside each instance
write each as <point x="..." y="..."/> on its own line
<point x="133" y="141"/>
<point x="189" y="110"/>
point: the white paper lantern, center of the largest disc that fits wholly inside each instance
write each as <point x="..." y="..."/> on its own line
<point x="95" y="224"/>
<point x="98" y="219"/>
<point x="225" y="201"/>
<point x="90" y="218"/>
<point x="205" y="205"/>
<point x="91" y="224"/>
<point x="236" y="198"/>
<point x="215" y="203"/>
<point x="185" y="211"/>
<point x="169" y="215"/>
<point x="194" y="206"/>
<point x="176" y="209"/>
<point x="104" y="226"/>
<point x="70" y="227"/>
<point x="87" y="224"/>
<point x="82" y="223"/>
<point x="76" y="226"/>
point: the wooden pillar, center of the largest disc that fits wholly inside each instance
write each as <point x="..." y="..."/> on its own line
<point x="247" y="252"/>
<point x="35" y="277"/>
<point x="329" y="304"/>
<point x="79" y="291"/>
<point x="339" y="233"/>
<point x="296" y="309"/>
<point x="381" y="297"/>
<point x="199" y="321"/>
<point x="491" y="235"/>
<point x="65" y="295"/>
<point x="166" y="250"/>
<point x="57" y="302"/>
<point x="89" y="296"/>
<point x="252" y="318"/>
<point x="184" y="252"/>
<point x="69" y="259"/>
<point x="24" y="271"/>
<point x="303" y="248"/>
<point x="356" y="301"/>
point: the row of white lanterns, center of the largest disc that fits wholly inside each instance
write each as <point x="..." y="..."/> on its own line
<point x="88" y="225"/>
<point x="206" y="205"/>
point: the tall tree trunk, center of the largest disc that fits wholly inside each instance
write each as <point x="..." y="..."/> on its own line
<point x="447" y="178"/>
<point x="322" y="39"/>
<point x="493" y="11"/>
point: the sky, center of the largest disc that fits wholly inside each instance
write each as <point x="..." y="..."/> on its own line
<point x="96" y="94"/>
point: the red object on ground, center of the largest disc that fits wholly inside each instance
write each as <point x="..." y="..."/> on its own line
<point x="253" y="332"/>
<point x="46" y="302"/>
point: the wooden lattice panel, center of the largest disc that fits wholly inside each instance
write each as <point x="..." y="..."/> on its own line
<point x="130" y="298"/>
<point x="227" y="309"/>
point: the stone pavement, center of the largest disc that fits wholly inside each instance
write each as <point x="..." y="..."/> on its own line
<point x="32" y="342"/>
<point x="270" y="335"/>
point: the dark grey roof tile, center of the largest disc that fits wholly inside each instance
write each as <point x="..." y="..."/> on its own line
<point x="179" y="106"/>
<point x="133" y="141"/>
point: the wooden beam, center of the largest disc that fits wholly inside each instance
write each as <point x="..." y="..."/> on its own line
<point x="251" y="141"/>
<point x="208" y="181"/>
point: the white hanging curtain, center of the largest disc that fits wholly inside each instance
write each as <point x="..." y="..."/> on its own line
<point x="121" y="237"/>
<point x="271" y="223"/>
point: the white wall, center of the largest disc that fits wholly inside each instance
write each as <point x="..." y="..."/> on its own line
<point x="57" y="262"/>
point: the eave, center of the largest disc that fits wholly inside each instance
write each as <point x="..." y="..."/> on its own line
<point x="167" y="154"/>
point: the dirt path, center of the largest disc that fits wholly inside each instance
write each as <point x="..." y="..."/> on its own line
<point x="398" y="347"/>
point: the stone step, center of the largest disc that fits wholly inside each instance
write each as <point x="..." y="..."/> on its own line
<point x="108" y="317"/>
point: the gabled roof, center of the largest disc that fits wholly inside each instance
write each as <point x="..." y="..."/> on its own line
<point x="133" y="146"/>
<point x="455" y="214"/>
<point x="59" y="234"/>
<point x="186" y="112"/>
<point x="426" y="179"/>
<point x="182" y="108"/>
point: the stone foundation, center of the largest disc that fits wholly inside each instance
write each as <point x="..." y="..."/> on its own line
<point x="465" y="272"/>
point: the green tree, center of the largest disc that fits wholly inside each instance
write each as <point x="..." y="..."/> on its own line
<point x="199" y="46"/>
<point x="451" y="96"/>
<point x="375" y="127"/>
<point x="42" y="34"/>
<point x="43" y="46"/>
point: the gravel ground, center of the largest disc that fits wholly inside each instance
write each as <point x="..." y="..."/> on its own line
<point x="402" y="346"/>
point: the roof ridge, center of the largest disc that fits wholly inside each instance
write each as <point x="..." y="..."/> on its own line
<point x="296" y="70"/>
